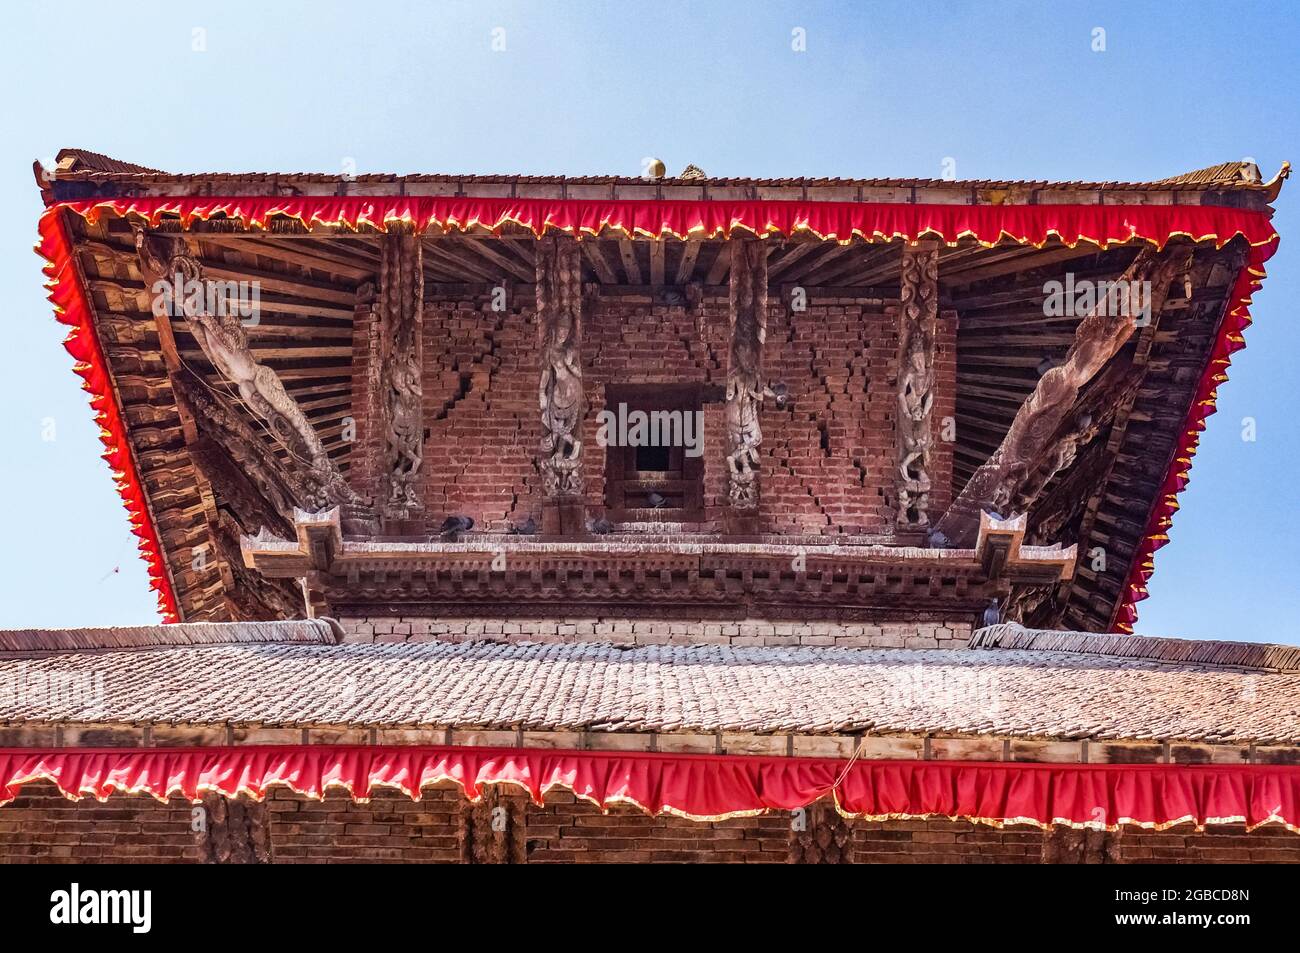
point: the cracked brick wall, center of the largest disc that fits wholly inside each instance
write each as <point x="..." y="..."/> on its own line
<point x="481" y="413"/>
<point x="828" y="461"/>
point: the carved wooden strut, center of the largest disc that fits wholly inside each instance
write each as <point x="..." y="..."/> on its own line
<point x="222" y="338"/>
<point x="560" y="394"/>
<point x="745" y="389"/>
<point x="919" y="294"/>
<point x="999" y="484"/>
<point x="401" y="392"/>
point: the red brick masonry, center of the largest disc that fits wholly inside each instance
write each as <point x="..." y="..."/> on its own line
<point x="828" y="461"/>
<point x="44" y="827"/>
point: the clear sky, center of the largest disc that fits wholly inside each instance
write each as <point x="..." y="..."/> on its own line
<point x="1007" y="90"/>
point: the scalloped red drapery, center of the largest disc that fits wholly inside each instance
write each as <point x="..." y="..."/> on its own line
<point x="701" y="787"/>
<point x="1101" y="225"/>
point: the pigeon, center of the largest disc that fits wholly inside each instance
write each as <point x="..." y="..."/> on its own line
<point x="527" y="528"/>
<point x="453" y="526"/>
<point x="993" y="614"/>
<point x="936" y="539"/>
<point x="780" y="394"/>
<point x="601" y="527"/>
<point x="655" y="500"/>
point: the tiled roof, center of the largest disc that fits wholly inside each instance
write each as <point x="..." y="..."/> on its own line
<point x="601" y="687"/>
<point x="1252" y="655"/>
<point x="83" y="160"/>
<point x="146" y="636"/>
<point x="92" y="166"/>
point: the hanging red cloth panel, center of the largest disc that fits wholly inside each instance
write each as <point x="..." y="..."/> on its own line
<point x="703" y="787"/>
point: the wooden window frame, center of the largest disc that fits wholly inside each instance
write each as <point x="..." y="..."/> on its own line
<point x="626" y="487"/>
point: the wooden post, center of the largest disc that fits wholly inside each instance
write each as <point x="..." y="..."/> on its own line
<point x="561" y="397"/>
<point x="918" y="316"/>
<point x="234" y="831"/>
<point x="745" y="386"/>
<point x="400" y="404"/>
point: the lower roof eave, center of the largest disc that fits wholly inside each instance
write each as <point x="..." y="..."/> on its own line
<point x="897" y="746"/>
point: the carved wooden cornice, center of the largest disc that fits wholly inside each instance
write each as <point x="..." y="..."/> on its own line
<point x="519" y="576"/>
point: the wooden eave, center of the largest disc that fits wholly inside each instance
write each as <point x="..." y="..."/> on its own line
<point x="311" y="276"/>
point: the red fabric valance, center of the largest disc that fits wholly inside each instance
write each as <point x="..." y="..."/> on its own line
<point x="703" y="787"/>
<point x="840" y="221"/>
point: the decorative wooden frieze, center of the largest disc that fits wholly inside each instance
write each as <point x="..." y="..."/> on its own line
<point x="819" y="835"/>
<point x="744" y="394"/>
<point x="713" y="580"/>
<point x="234" y="458"/>
<point x="918" y="314"/>
<point x="1068" y="845"/>
<point x="233" y="831"/>
<point x="492" y="829"/>
<point x="998" y="484"/>
<point x="224" y="342"/>
<point x="400" y="397"/>
<point x="561" y="396"/>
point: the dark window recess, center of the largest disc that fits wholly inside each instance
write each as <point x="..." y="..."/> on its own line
<point x="639" y="477"/>
<point x="653" y="458"/>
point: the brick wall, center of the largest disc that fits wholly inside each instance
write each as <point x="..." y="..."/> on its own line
<point x="43" y="826"/>
<point x="621" y="630"/>
<point x="828" y="461"/>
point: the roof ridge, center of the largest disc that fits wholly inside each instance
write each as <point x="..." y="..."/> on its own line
<point x="1262" y="656"/>
<point x="84" y="160"/>
<point x="89" y="165"/>
<point x="322" y="631"/>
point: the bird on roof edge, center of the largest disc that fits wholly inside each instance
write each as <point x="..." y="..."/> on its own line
<point x="993" y="614"/>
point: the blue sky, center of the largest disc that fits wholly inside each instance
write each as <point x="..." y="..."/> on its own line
<point x="1007" y="90"/>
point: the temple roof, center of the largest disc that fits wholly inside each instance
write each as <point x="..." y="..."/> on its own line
<point x="81" y="165"/>
<point x="310" y="242"/>
<point x="298" y="677"/>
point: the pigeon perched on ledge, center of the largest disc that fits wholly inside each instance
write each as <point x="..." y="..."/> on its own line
<point x="527" y="528"/>
<point x="601" y="526"/>
<point x="453" y="526"/>
<point x="993" y="614"/>
<point x="655" y="501"/>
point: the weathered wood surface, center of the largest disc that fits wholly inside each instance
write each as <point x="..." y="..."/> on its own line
<point x="400" y="401"/>
<point x="745" y="385"/>
<point x="918" y="314"/>
<point x="561" y="397"/>
<point x="998" y="484"/>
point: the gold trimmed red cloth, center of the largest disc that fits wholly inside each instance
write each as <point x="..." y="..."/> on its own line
<point x="702" y="787"/>
<point x="1101" y="225"/>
